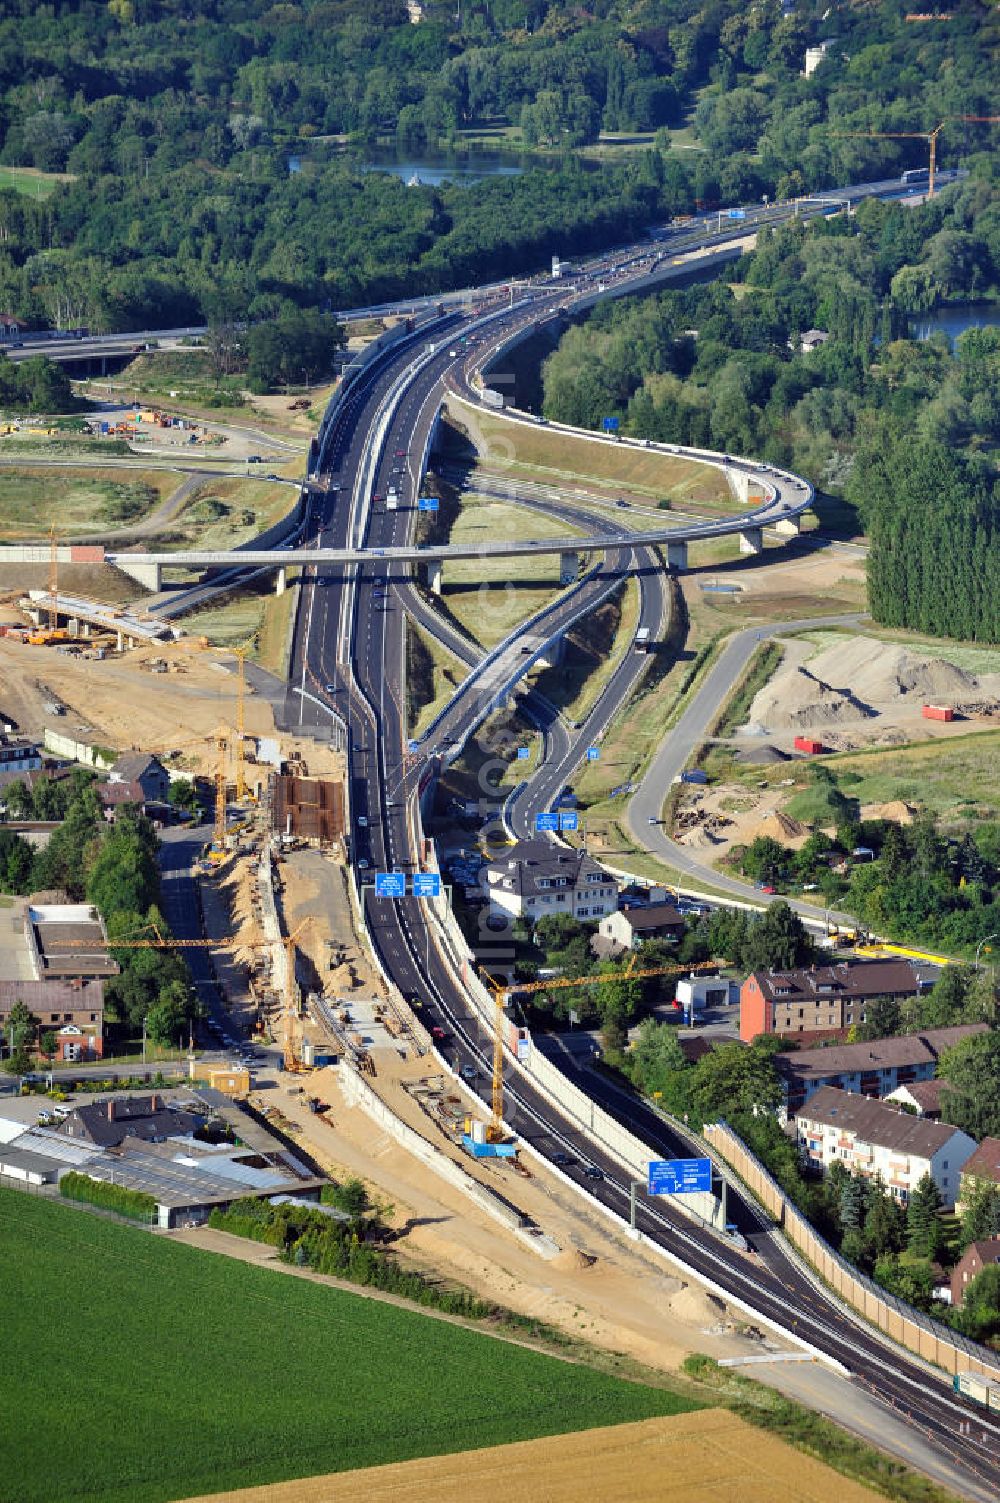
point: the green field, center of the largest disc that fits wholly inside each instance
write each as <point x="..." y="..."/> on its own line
<point x="82" y="500"/>
<point x="30" y="181"/>
<point x="136" y="1370"/>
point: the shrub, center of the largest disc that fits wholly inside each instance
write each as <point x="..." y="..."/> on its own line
<point x="131" y="1203"/>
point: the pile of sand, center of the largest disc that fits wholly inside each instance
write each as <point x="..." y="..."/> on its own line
<point x="780" y="827"/>
<point x="575" y="1259"/>
<point x="697" y="839"/>
<point x="800" y="698"/>
<point x="896" y="810"/>
<point x="861" y="677"/>
<point x="696" y="1305"/>
<point x="883" y="674"/>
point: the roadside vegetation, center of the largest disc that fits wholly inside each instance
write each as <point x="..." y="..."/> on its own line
<point x="424" y="1378"/>
<point x="90" y="500"/>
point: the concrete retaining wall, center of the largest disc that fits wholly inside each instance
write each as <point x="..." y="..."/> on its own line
<point x="78" y="751"/>
<point x="359" y="1093"/>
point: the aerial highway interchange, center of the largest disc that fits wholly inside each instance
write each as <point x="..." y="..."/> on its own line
<point x="347" y="671"/>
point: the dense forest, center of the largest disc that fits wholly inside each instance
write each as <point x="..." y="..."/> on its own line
<point x="176" y="125"/>
<point x="904" y="429"/>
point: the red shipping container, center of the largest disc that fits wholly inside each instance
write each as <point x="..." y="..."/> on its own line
<point x="807" y="744"/>
<point x="938" y="712"/>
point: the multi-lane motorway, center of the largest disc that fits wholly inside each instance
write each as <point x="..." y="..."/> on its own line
<point x="349" y="661"/>
<point x="348" y="667"/>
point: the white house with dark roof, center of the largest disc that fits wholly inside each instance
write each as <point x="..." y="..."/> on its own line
<point x="142" y="770"/>
<point x="534" y="878"/>
<point x="870" y="1138"/>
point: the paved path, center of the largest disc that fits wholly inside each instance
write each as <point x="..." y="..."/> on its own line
<point x="678" y="747"/>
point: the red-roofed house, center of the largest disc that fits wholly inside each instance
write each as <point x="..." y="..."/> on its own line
<point x="977" y="1256"/>
<point x="982" y="1167"/>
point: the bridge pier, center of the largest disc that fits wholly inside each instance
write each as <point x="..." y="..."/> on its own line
<point x="752" y="540"/>
<point x="744" y="486"/>
<point x="281" y="581"/>
<point x="569" y="568"/>
<point x="553" y="654"/>
<point x="677" y="556"/>
<point x="788" y="527"/>
<point x="433" y="572"/>
<point x="146" y="574"/>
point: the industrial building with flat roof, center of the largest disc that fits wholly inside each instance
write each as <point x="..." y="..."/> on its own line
<point x="67" y="939"/>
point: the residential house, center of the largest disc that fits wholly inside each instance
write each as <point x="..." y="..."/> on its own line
<point x="877" y="1068"/>
<point x="73" y="1010"/>
<point x="534" y="878"/>
<point x="812" y="339"/>
<point x="977" y="1256"/>
<point x="628" y="928"/>
<point x="106" y="1124"/>
<point x="11" y="329"/>
<point x="983" y="1168"/>
<point x="822" y="998"/>
<point x="18" y="757"/>
<point x="145" y="770"/>
<point x="870" y="1138"/>
<point x="922" y="1097"/>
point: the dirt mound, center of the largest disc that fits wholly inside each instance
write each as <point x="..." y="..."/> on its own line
<point x="780" y="827"/>
<point x="696" y="1305"/>
<point x="761" y="756"/>
<point x="575" y="1259"/>
<point x="884" y="674"/>
<point x="800" y="698"/>
<point x="896" y="810"/>
<point x="696" y="839"/>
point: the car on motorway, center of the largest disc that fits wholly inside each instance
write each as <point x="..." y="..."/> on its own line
<point x="621" y="502"/>
<point x="562" y="1159"/>
<point x="363" y="821"/>
<point x="438" y="1034"/>
<point x="400" y="454"/>
<point x="329" y="688"/>
<point x="469" y="1072"/>
<point x="255" y="459"/>
<point x="591" y="1171"/>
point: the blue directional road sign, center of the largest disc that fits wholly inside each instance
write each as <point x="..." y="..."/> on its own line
<point x="593" y="753"/>
<point x="426" y="885"/>
<point x="737" y="214"/>
<point x="523" y="753"/>
<point x="390" y="884"/>
<point x="428" y="503"/>
<point x="569" y="820"/>
<point x="610" y="424"/>
<point x="547" y="821"/>
<point x="680" y="1176"/>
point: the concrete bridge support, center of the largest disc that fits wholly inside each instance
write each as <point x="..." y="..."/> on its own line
<point x="281" y="581"/>
<point x="569" y="568"/>
<point x="739" y="484"/>
<point x="553" y="654"/>
<point x="433" y="572"/>
<point x="146" y="574"/>
<point x="677" y="556"/>
<point x="752" y="540"/>
<point x="788" y="527"/>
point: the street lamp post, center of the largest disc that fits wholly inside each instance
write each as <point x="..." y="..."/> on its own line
<point x="144" y="1040"/>
<point x="980" y="946"/>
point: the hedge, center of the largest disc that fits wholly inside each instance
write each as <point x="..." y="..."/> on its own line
<point x="132" y="1203"/>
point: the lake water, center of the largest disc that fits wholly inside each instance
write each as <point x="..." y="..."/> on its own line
<point x="433" y="167"/>
<point x="955" y="321"/>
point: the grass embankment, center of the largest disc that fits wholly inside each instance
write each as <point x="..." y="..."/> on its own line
<point x="759" y="671"/>
<point x="77" y="501"/>
<point x="262" y="616"/>
<point x="544" y="453"/>
<point x="490" y="596"/>
<point x="432" y="676"/>
<point x="308" y="1379"/>
<point x="767" y="1409"/>
<point x="228" y="511"/>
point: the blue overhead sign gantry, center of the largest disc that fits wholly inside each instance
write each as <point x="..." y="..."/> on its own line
<point x="680" y="1176"/>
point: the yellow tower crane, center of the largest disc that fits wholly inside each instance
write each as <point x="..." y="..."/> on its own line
<point x="502" y="994"/>
<point x="53" y="581"/>
<point x="240" y="654"/>
<point x="930" y="136"/>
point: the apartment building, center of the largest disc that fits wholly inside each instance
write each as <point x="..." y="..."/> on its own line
<point x="534" y="878"/>
<point x="870" y="1138"/>
<point x="822" y="998"/>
